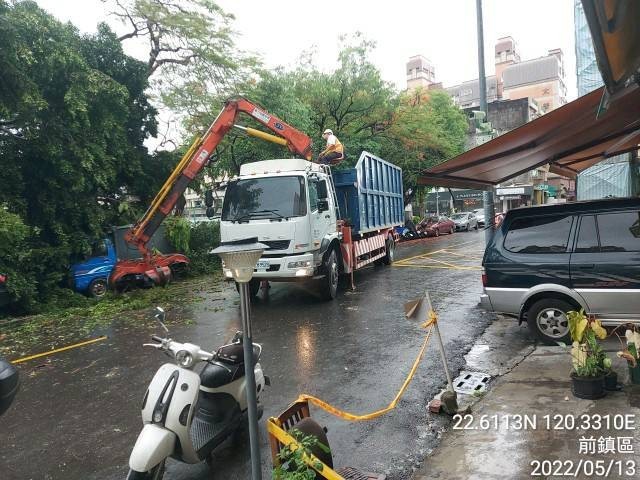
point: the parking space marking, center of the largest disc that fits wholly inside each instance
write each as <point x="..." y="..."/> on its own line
<point x="444" y="258"/>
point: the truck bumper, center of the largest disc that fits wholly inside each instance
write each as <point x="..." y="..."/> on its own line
<point x="290" y="267"/>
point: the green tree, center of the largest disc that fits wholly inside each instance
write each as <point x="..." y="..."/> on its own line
<point x="191" y="56"/>
<point x="16" y="259"/>
<point x="71" y="146"/>
<point x="427" y="129"/>
<point x="353" y="100"/>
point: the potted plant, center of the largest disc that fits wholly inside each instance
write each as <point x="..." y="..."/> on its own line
<point x="587" y="356"/>
<point x="632" y="354"/>
<point x="291" y="458"/>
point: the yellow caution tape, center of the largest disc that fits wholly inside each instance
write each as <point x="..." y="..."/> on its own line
<point x="58" y="350"/>
<point x="433" y="318"/>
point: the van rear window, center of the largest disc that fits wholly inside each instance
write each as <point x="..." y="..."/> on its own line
<point x="548" y="234"/>
<point x="620" y="232"/>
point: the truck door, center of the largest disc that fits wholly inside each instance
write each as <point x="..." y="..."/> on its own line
<point x="321" y="210"/>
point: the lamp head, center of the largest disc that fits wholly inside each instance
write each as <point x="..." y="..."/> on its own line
<point x="241" y="256"/>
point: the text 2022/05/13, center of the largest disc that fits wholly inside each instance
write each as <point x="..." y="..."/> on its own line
<point x="618" y="422"/>
<point x="583" y="467"/>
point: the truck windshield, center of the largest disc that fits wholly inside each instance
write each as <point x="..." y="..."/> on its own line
<point x="268" y="197"/>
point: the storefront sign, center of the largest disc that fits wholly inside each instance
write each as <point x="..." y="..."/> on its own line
<point x="510" y="191"/>
<point x="543" y="187"/>
<point x="511" y="197"/>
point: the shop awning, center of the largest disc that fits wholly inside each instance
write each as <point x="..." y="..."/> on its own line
<point x="569" y="139"/>
<point x="616" y="39"/>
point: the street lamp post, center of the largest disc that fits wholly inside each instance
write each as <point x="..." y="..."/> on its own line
<point x="240" y="257"/>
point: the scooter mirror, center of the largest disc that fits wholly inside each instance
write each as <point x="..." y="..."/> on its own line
<point x="160" y="316"/>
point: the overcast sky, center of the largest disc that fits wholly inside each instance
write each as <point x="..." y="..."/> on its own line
<point x="443" y="31"/>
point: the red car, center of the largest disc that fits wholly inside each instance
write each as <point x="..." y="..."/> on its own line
<point x="434" y="226"/>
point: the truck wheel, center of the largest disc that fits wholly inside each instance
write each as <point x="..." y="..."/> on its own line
<point x="254" y="287"/>
<point x="390" y="245"/>
<point x="329" y="289"/>
<point x="98" y="287"/>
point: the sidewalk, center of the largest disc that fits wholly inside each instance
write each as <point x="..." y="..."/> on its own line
<point x="505" y="445"/>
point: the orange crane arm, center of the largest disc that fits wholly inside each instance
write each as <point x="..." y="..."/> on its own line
<point x="195" y="159"/>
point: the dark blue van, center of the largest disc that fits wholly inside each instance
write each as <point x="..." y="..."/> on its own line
<point x="547" y="260"/>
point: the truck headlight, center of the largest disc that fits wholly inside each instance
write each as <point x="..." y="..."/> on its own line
<point x="299" y="264"/>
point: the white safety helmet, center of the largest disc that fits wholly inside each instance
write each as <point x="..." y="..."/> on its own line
<point x="328" y="131"/>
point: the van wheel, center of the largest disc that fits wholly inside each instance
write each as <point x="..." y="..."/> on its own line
<point x="547" y="320"/>
<point x="329" y="288"/>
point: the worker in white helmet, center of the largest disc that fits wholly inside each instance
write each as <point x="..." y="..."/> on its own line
<point x="333" y="152"/>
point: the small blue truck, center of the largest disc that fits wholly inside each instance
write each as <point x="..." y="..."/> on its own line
<point x="91" y="275"/>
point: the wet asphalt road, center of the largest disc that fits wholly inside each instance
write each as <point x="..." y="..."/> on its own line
<point x="77" y="414"/>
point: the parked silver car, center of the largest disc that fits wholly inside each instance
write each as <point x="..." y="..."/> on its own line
<point x="479" y="213"/>
<point x="465" y="221"/>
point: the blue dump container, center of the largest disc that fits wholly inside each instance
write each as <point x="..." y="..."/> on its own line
<point x="370" y="194"/>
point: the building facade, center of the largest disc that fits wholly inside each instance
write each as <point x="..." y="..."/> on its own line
<point x="420" y="73"/>
<point x="540" y="79"/>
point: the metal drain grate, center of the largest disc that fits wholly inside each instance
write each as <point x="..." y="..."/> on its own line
<point x="471" y="382"/>
<point x="350" y="473"/>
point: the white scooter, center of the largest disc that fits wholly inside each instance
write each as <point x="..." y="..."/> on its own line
<point x="187" y="415"/>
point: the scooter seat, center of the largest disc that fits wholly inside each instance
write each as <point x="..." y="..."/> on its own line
<point x="217" y="374"/>
<point x="233" y="354"/>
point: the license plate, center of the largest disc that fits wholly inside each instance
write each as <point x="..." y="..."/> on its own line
<point x="262" y="265"/>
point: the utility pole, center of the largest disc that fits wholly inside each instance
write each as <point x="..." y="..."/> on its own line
<point x="487" y="195"/>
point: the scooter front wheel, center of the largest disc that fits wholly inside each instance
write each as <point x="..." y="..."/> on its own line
<point x="156" y="473"/>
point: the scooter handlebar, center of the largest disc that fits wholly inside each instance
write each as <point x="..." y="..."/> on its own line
<point x="156" y="338"/>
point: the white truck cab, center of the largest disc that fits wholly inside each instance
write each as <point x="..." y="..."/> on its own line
<point x="317" y="224"/>
<point x="290" y="206"/>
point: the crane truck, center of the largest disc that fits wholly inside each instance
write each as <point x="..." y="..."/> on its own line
<point x="156" y="268"/>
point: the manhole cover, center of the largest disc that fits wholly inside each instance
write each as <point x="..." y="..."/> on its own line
<point x="350" y="473"/>
<point x="471" y="382"/>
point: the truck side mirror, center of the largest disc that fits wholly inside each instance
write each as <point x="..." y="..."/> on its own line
<point x="323" y="205"/>
<point x="322" y="189"/>
<point x="208" y="198"/>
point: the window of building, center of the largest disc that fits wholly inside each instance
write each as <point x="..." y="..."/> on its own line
<point x="548" y="234"/>
<point x="588" y="235"/>
<point x="619" y="232"/>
